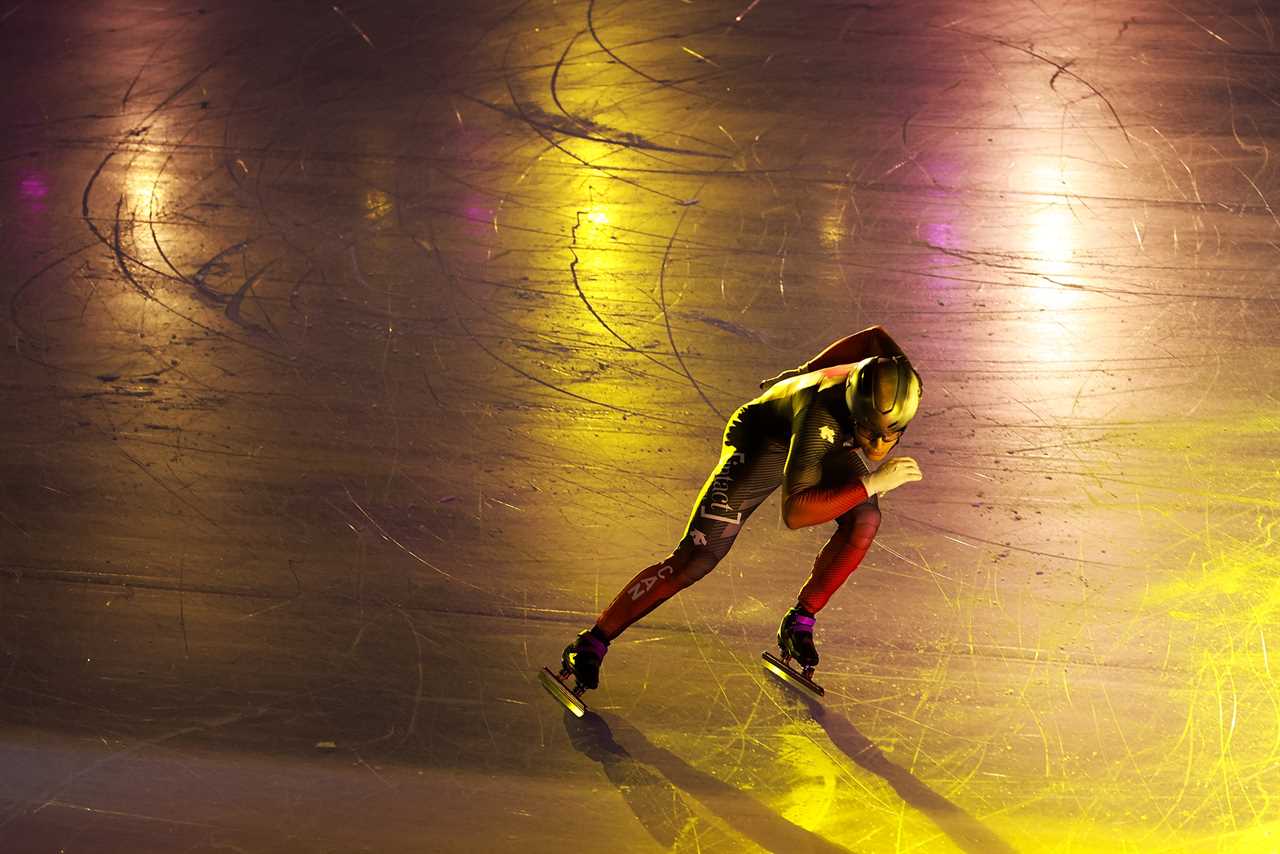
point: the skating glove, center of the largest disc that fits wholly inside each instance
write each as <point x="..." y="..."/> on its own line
<point x="891" y="475"/>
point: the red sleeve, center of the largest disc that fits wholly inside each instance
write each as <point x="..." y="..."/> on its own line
<point x="873" y="341"/>
<point x="819" y="504"/>
<point x="846" y="351"/>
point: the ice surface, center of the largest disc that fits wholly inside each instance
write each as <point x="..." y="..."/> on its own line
<point x="357" y="354"/>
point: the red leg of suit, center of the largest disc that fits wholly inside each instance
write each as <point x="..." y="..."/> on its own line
<point x="731" y="494"/>
<point x="840" y="556"/>
<point x="649" y="589"/>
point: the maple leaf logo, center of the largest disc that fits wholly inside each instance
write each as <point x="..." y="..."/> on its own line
<point x="828" y="434"/>
<point x="699" y="538"/>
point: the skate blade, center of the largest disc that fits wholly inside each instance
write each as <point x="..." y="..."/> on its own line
<point x="556" y="688"/>
<point x="790" y="677"/>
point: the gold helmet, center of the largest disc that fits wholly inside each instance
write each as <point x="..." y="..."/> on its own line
<point x="883" y="393"/>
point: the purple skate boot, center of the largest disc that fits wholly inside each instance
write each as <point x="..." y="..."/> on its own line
<point x="795" y="640"/>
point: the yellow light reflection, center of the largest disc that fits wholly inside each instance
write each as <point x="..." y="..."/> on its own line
<point x="831" y="230"/>
<point x="1220" y="604"/>
<point x="810" y="799"/>
<point x="592" y="229"/>
<point x="144" y="192"/>
<point x="377" y="205"/>
<point x="592" y="223"/>
<point x="144" y="196"/>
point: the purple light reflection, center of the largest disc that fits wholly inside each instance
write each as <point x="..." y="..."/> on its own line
<point x="33" y="194"/>
<point x="939" y="234"/>
<point x="33" y="187"/>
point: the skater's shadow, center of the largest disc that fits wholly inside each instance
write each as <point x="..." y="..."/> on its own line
<point x="965" y="831"/>
<point x="646" y="775"/>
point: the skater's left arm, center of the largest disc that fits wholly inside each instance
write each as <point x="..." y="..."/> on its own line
<point x="872" y="341"/>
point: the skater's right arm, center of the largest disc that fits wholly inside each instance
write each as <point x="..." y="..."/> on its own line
<point x="817" y="504"/>
<point x="808" y="501"/>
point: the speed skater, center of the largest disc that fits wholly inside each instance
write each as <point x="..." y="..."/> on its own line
<point x="812" y="432"/>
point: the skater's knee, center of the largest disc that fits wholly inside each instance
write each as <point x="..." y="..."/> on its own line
<point x="859" y="526"/>
<point x="865" y="516"/>
<point x="692" y="561"/>
<point x="701" y="550"/>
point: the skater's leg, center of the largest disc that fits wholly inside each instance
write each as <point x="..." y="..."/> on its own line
<point x="795" y="637"/>
<point x="741" y="481"/>
<point x="854" y="534"/>
<point x="654" y="585"/>
<point x="838" y="559"/>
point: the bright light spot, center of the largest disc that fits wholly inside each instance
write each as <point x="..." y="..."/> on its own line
<point x="599" y="217"/>
<point x="1051" y="246"/>
<point x="831" y="231"/>
<point x="1050" y="238"/>
<point x="144" y="191"/>
<point x="377" y="205"/>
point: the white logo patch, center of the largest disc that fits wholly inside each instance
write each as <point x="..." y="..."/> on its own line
<point x="828" y="434"/>
<point x="645" y="584"/>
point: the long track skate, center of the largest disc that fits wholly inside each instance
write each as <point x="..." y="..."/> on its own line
<point x="558" y="687"/>
<point x="799" y="680"/>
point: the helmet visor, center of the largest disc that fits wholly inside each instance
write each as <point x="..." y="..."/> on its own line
<point x="870" y="438"/>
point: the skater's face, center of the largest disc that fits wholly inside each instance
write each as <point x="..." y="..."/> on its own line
<point x="875" y="445"/>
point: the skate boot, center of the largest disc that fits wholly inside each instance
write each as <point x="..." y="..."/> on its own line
<point x="584" y="656"/>
<point x="795" y="638"/>
<point x="581" y="660"/>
